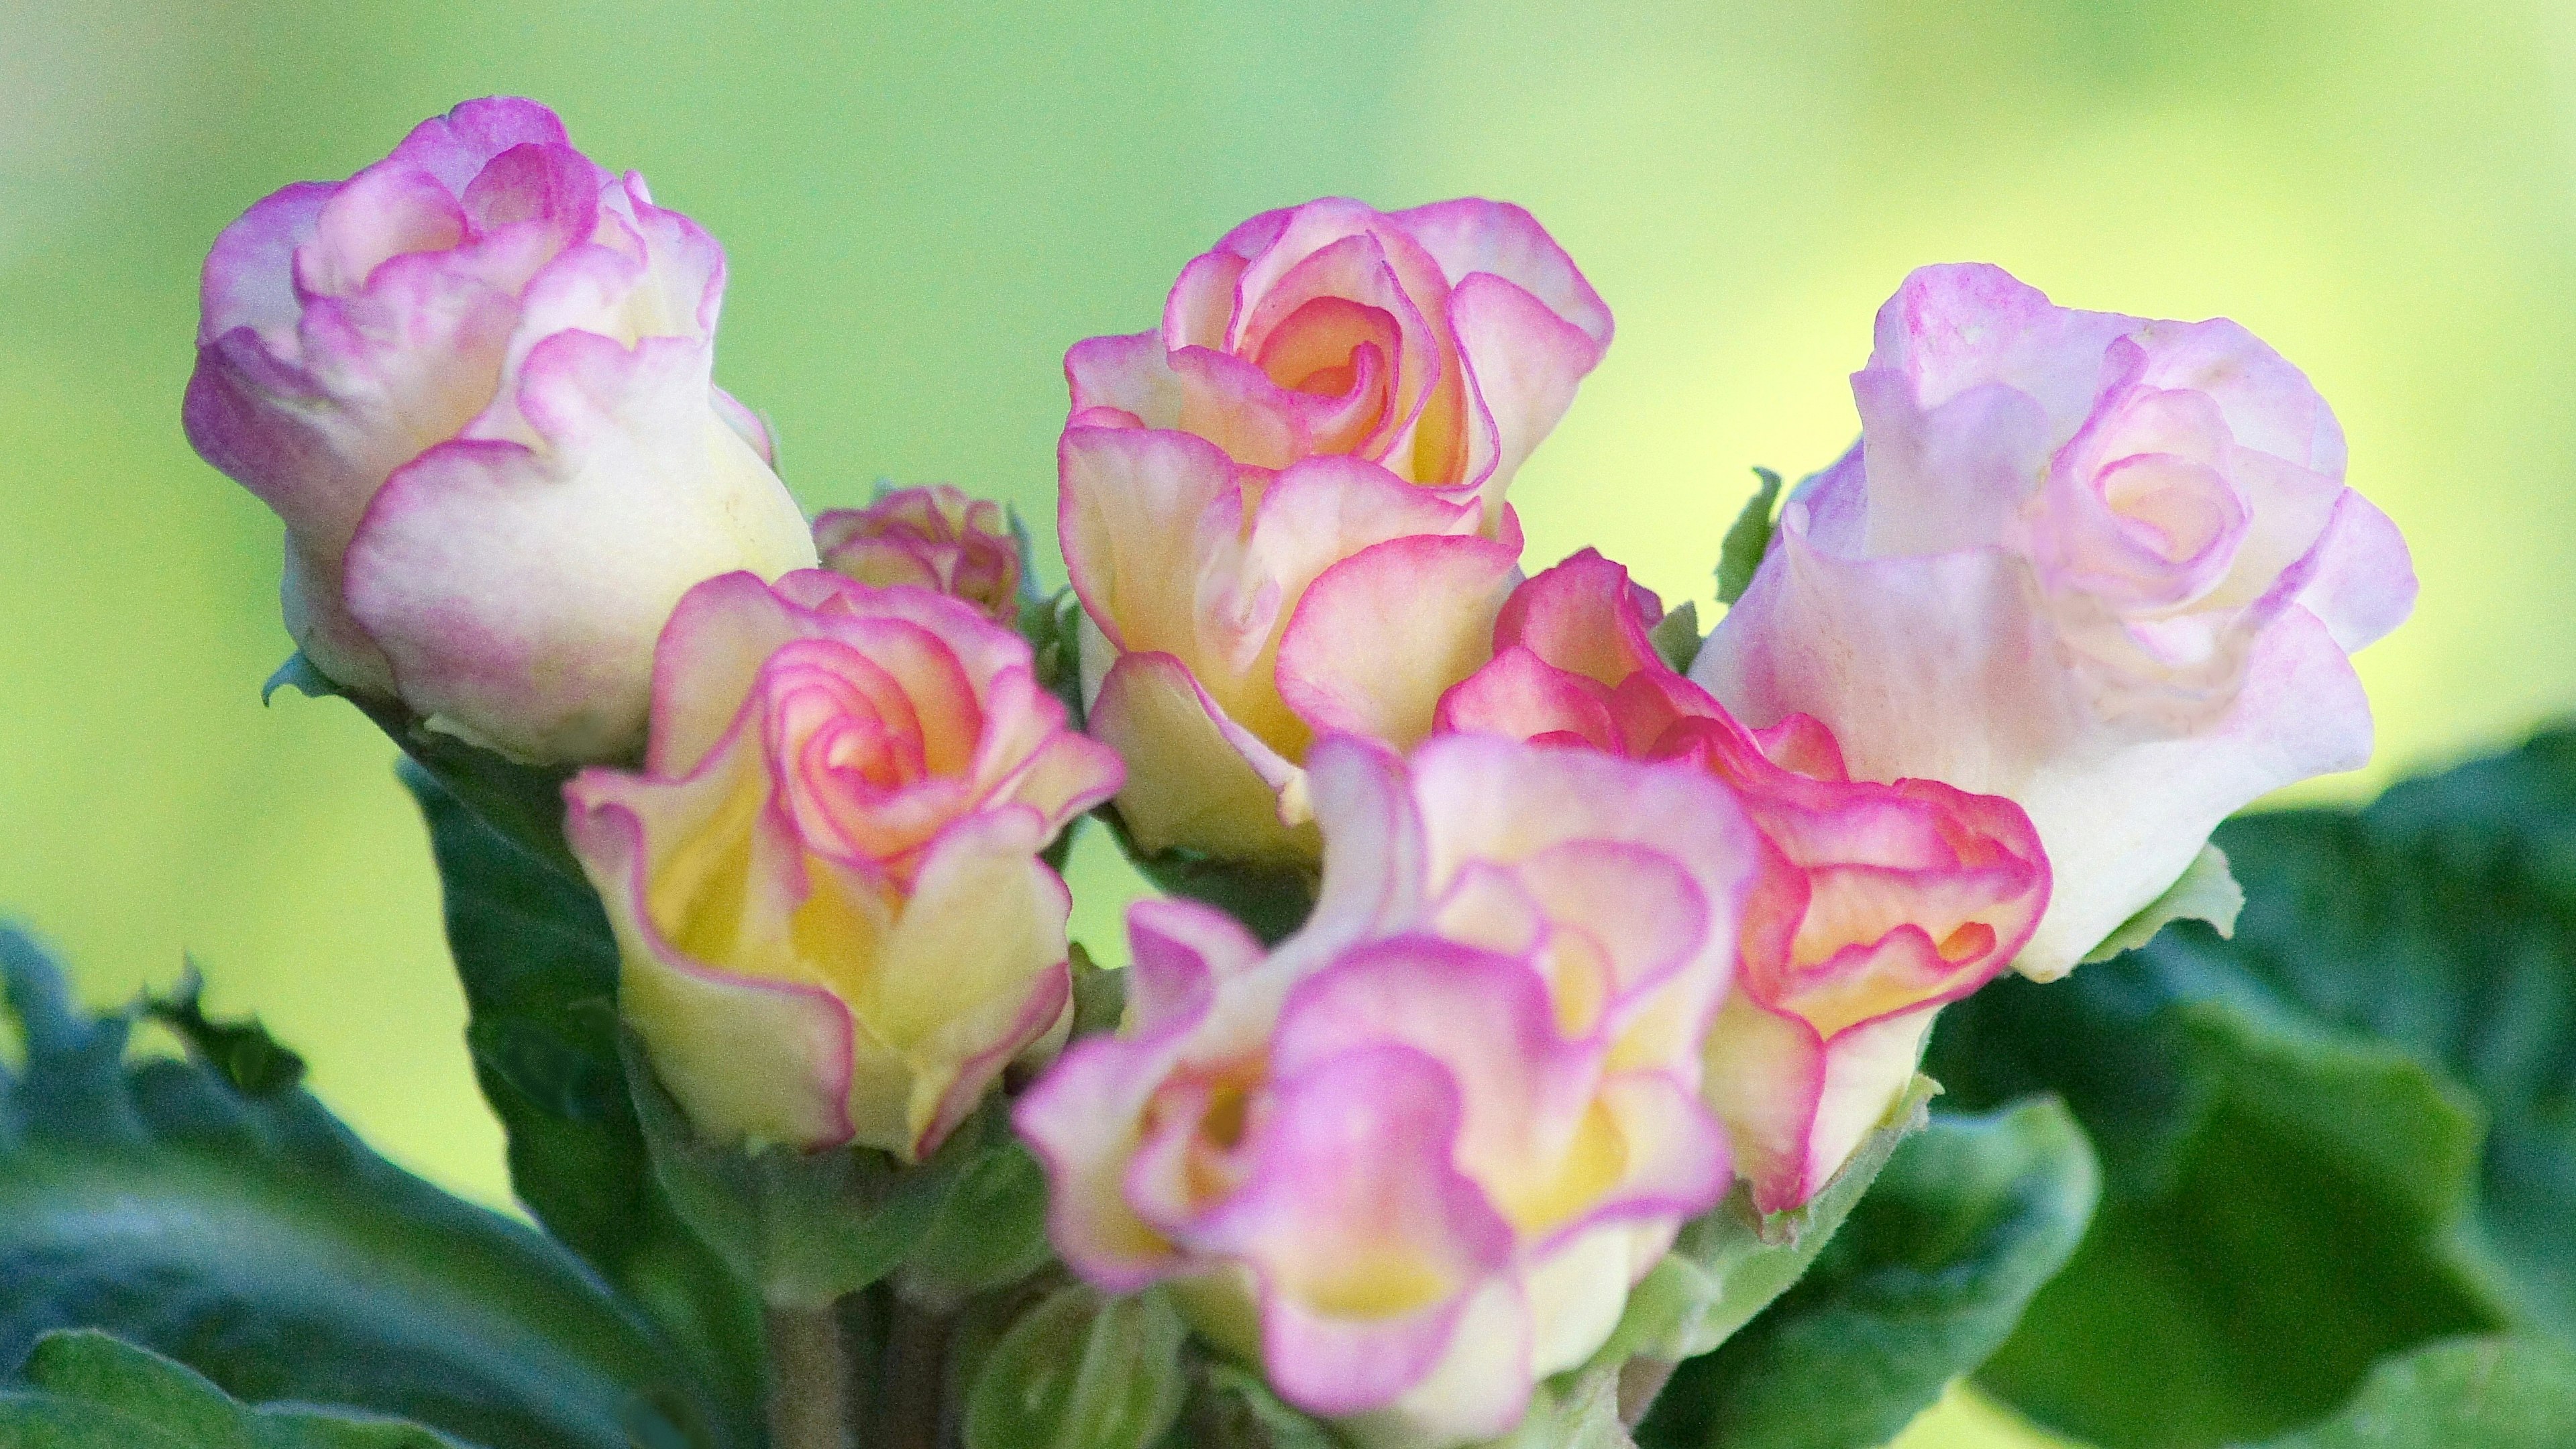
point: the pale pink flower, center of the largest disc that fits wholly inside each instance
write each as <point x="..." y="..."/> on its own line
<point x="474" y="380"/>
<point x="2103" y="566"/>
<point x="1411" y="1161"/>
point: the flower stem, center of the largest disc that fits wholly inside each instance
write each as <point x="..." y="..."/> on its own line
<point x="916" y="1378"/>
<point x="808" y="1385"/>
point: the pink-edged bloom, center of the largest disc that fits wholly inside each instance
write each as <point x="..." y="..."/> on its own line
<point x="1441" y="343"/>
<point x="2104" y="566"/>
<point x="1878" y="902"/>
<point x="933" y="538"/>
<point x="1234" y="615"/>
<point x="825" y="881"/>
<point x="1283" y="509"/>
<point x="1411" y="1161"/>
<point x="475" y="381"/>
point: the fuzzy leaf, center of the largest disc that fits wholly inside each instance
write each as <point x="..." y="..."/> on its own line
<point x="1926" y="1278"/>
<point x="2477" y="1393"/>
<point x="1730" y="1263"/>
<point x="1082" y="1372"/>
<point x="539" y="967"/>
<point x="86" y="1390"/>
<point x="2348" y="1130"/>
<point x="255" y="1240"/>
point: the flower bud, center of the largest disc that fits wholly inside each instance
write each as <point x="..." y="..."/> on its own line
<point x="934" y="538"/>
<point x="1411" y="1161"/>
<point x="474" y="380"/>
<point x="1877" y="903"/>
<point x="2102" y="566"/>
<point x="825" y="883"/>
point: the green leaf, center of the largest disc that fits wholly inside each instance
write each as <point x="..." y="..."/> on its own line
<point x="1231" y="1408"/>
<point x="2478" y="1393"/>
<point x="805" y="1227"/>
<point x="1747" y="539"/>
<point x="1573" y="1411"/>
<point x="2206" y="891"/>
<point x="991" y="1231"/>
<point x="1082" y="1372"/>
<point x="1271" y="901"/>
<point x="86" y="1390"/>
<point x="1926" y="1278"/>
<point x="1676" y="636"/>
<point x="255" y="1240"/>
<point x="2348" y="1130"/>
<point x="1729" y="1264"/>
<point x="539" y="966"/>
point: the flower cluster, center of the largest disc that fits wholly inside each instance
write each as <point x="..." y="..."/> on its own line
<point x="1604" y="922"/>
<point x="1413" y="1158"/>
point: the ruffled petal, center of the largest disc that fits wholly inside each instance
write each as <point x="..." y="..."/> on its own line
<point x="462" y="569"/>
<point x="1191" y="780"/>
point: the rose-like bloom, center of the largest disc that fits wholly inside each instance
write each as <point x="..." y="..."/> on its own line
<point x="1442" y="343"/>
<point x="933" y="538"/>
<point x="1412" y="1161"/>
<point x="1878" y="902"/>
<point x="2103" y="566"/>
<point x="474" y="380"/>
<point x="1283" y="510"/>
<point x="824" y="882"/>
<point x="1235" y="615"/>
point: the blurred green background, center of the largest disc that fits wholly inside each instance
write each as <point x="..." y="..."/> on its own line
<point x="924" y="205"/>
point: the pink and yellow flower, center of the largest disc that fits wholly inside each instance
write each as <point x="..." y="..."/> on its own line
<point x="825" y="882"/>
<point x="1441" y="343"/>
<point x="475" y="382"/>
<point x="1411" y="1161"/>
<point x="2103" y="566"/>
<point x="1878" y="903"/>
<point x="1283" y="510"/>
<point x="934" y="538"/>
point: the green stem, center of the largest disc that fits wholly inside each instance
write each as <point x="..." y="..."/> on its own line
<point x="808" y="1385"/>
<point x="1640" y="1380"/>
<point x="916" y="1379"/>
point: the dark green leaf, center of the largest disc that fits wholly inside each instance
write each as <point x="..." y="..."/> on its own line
<point x="1747" y="539"/>
<point x="1926" y="1278"/>
<point x="1081" y="1372"/>
<point x="86" y="1390"/>
<point x="256" y="1241"/>
<point x="2350" y="1129"/>
<point x="249" y="1058"/>
<point x="2478" y="1393"/>
<point x="539" y="967"/>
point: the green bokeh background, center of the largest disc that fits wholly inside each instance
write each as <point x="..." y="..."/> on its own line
<point x="924" y="205"/>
